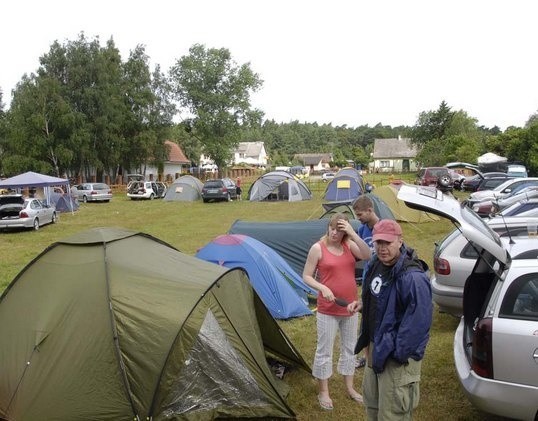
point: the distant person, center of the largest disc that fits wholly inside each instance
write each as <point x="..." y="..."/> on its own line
<point x="365" y="213"/>
<point x="330" y="269"/>
<point x="397" y="314"/>
<point x="238" y="188"/>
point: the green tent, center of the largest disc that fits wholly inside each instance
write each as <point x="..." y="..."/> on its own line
<point x="112" y="324"/>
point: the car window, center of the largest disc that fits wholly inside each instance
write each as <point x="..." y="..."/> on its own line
<point x="521" y="299"/>
<point x="213" y="184"/>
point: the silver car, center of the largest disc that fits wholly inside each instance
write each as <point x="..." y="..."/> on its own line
<point x="18" y="212"/>
<point x="93" y="192"/>
<point x="454" y="258"/>
<point x="496" y="342"/>
<point x="525" y="208"/>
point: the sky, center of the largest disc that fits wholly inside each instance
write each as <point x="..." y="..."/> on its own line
<point x="343" y="62"/>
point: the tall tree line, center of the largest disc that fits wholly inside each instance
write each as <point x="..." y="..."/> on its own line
<point x="85" y="112"/>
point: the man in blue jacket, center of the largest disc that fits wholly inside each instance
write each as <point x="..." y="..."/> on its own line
<point x="397" y="314"/>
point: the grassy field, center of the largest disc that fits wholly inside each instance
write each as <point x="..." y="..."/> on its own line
<point x="189" y="226"/>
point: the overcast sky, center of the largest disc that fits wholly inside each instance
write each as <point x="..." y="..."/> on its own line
<point x="342" y="62"/>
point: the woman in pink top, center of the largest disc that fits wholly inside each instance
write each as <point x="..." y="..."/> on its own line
<point x="330" y="269"/>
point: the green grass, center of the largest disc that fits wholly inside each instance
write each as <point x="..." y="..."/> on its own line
<point x="189" y="226"/>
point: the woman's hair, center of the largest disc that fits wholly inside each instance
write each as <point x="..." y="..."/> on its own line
<point x="333" y="223"/>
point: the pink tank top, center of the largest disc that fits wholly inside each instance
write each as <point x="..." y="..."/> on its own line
<point x="338" y="273"/>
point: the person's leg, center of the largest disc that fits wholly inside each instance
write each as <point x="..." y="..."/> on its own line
<point x="346" y="361"/>
<point x="399" y="390"/>
<point x="370" y="392"/>
<point x="322" y="369"/>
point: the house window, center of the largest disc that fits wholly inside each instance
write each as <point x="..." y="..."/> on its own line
<point x="384" y="164"/>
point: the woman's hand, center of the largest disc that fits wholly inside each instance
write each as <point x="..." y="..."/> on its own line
<point x="327" y="293"/>
<point x="354" y="307"/>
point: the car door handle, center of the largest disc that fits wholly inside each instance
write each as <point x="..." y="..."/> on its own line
<point x="535" y="355"/>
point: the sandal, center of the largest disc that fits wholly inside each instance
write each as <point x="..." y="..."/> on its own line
<point x="357" y="397"/>
<point x="326" y="403"/>
<point x="361" y="362"/>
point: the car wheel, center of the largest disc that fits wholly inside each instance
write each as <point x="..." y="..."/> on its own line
<point x="205" y="200"/>
<point x="151" y="196"/>
<point x="84" y="199"/>
<point x="36" y="224"/>
<point x="54" y="218"/>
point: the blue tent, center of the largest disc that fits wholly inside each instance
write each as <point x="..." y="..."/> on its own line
<point x="280" y="288"/>
<point x="343" y="188"/>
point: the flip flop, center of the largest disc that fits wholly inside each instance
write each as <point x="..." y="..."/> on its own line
<point x="357" y="397"/>
<point x="326" y="404"/>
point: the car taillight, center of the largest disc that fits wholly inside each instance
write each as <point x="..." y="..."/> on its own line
<point x="441" y="266"/>
<point x="224" y="190"/>
<point x="23" y="214"/>
<point x="482" y="357"/>
<point x="93" y="192"/>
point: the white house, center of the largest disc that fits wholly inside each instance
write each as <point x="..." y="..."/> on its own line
<point x="250" y="153"/>
<point x="315" y="161"/>
<point x="176" y="163"/>
<point x="393" y="155"/>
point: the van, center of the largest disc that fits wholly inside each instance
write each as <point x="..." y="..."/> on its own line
<point x="516" y="171"/>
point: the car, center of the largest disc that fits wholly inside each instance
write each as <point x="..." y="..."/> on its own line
<point x="490" y="206"/>
<point x="510" y="186"/>
<point x="16" y="211"/>
<point x="139" y="190"/>
<point x="471" y="183"/>
<point x="327" y="176"/>
<point x="219" y="190"/>
<point x="431" y="176"/>
<point x="457" y="178"/>
<point x="491" y="182"/>
<point x="515" y="197"/>
<point x="93" y="192"/>
<point x="496" y="342"/>
<point x="524" y="208"/>
<point x="516" y="171"/>
<point x="454" y="258"/>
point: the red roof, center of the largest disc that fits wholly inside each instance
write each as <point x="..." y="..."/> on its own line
<point x="175" y="153"/>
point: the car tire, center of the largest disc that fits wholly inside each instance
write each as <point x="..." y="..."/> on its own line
<point x="84" y="199"/>
<point x="205" y="200"/>
<point x="54" y="218"/>
<point x="36" y="224"/>
<point x="151" y="196"/>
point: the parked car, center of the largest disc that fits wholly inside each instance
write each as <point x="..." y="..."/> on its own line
<point x="454" y="258"/>
<point x="219" y="189"/>
<point x="457" y="178"/>
<point x="491" y="182"/>
<point x="524" y="208"/>
<point x="19" y="212"/>
<point x="471" y="183"/>
<point x="431" y="176"/>
<point x="496" y="342"/>
<point x="517" y="171"/>
<point x="93" y="192"/>
<point x="327" y="176"/>
<point x="149" y="190"/>
<point x="529" y="192"/>
<point x="510" y="186"/>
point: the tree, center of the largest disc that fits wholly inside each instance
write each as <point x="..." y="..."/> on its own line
<point x="217" y="92"/>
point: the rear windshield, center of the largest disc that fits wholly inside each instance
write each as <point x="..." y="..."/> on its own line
<point x="213" y="184"/>
<point x="100" y="186"/>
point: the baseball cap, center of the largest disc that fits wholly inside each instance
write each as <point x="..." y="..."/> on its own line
<point x="386" y="230"/>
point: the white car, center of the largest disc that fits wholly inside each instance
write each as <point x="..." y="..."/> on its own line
<point x="524" y="208"/>
<point x="454" y="258"/>
<point x="327" y="176"/>
<point x="496" y="342"/>
<point x="511" y="185"/>
<point x="19" y="212"/>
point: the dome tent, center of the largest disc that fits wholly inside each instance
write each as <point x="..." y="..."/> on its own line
<point x="184" y="189"/>
<point x="281" y="289"/>
<point x="279" y="185"/>
<point x="91" y="331"/>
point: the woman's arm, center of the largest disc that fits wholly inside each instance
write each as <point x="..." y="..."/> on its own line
<point x="357" y="245"/>
<point x="314" y="254"/>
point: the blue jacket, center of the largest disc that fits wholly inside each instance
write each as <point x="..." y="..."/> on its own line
<point x="404" y="311"/>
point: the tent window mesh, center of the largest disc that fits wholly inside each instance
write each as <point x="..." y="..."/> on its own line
<point x="214" y="376"/>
